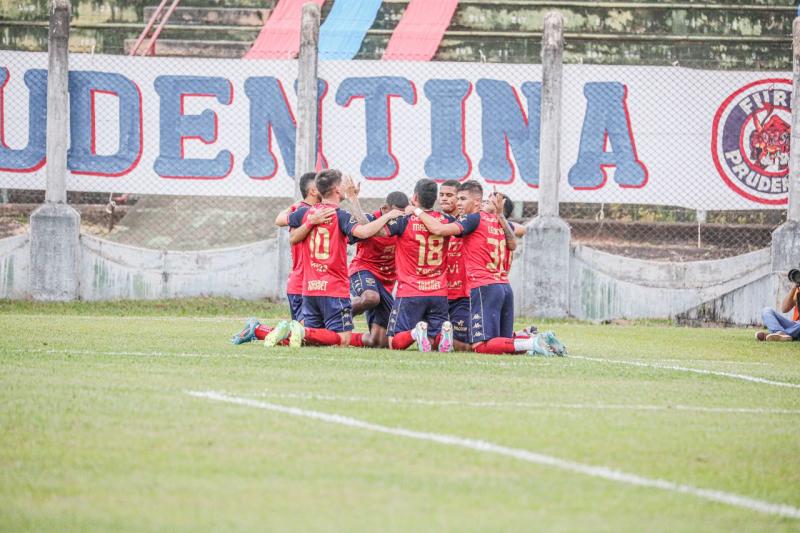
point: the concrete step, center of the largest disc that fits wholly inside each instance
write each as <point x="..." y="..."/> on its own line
<point x="187" y="48"/>
<point x="225" y="16"/>
<point x="650" y="18"/>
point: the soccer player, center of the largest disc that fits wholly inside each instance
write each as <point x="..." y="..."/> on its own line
<point x="487" y="239"/>
<point x="372" y="271"/>
<point x="420" y="309"/>
<point x="326" y="287"/>
<point x="294" y="286"/>
<point x="457" y="295"/>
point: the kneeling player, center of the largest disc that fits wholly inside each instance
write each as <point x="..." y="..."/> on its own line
<point x="420" y="309"/>
<point x="373" y="274"/>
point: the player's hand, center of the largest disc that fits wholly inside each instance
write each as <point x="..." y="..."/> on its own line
<point x="410" y="209"/>
<point x="499" y="202"/>
<point x="323" y="216"/>
<point x="351" y="188"/>
<point x="394" y="213"/>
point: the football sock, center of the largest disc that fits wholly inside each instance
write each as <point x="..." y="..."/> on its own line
<point x="435" y="343"/>
<point x="357" y="340"/>
<point x="322" y="337"/>
<point x="498" y="345"/>
<point x="262" y="331"/>
<point x="523" y="344"/>
<point x="402" y="340"/>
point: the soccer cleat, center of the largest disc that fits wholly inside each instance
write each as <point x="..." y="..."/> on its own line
<point x="280" y="333"/>
<point x="530" y="331"/>
<point x="446" y="342"/>
<point x="296" y="334"/>
<point x="780" y="337"/>
<point x="761" y="335"/>
<point x="556" y="346"/>
<point x="420" y="334"/>
<point x="248" y="333"/>
<point x="539" y="347"/>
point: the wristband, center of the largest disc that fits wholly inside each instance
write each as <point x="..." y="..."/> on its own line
<point x="417" y="212"/>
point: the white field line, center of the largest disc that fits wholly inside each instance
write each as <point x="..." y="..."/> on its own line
<point x="601" y="472"/>
<point x="743" y="377"/>
<point x="526" y="405"/>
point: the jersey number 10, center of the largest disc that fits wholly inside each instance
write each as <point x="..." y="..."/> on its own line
<point x="320" y="243"/>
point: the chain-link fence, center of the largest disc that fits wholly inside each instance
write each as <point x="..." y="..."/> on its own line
<point x="660" y="162"/>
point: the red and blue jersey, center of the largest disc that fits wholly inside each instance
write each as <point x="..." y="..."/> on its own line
<point x="295" y="283"/>
<point x="420" y="260"/>
<point x="456" y="268"/>
<point x="484" y="249"/>
<point x="376" y="255"/>
<point x="324" y="252"/>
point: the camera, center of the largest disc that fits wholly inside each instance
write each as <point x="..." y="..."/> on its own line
<point x="794" y="276"/>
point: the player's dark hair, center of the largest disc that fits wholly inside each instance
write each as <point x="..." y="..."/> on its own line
<point x="397" y="199"/>
<point x="451" y="183"/>
<point x="426" y="191"/>
<point x="305" y="181"/>
<point x="471" y="186"/>
<point x="508" y="207"/>
<point x="327" y="180"/>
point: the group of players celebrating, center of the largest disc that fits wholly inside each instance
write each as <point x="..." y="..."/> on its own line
<point x="435" y="278"/>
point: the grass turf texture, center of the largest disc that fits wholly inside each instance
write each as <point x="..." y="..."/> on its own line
<point x="97" y="431"/>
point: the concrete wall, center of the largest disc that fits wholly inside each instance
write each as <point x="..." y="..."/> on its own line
<point x="602" y="286"/>
<point x="116" y="271"/>
<point x="15" y="264"/>
<point x="605" y="286"/>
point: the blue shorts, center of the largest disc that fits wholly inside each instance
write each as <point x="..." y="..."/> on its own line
<point x="364" y="280"/>
<point x="334" y="314"/>
<point x="296" y="306"/>
<point x="459" y="317"/>
<point x="491" y="311"/>
<point x="409" y="310"/>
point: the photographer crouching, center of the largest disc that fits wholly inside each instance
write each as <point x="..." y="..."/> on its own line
<point x="781" y="328"/>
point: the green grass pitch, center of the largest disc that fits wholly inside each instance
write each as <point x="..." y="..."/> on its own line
<point x="99" y="431"/>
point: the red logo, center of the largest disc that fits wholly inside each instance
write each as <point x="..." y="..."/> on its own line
<point x="750" y="140"/>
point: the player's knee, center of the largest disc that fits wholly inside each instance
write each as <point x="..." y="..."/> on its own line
<point x="767" y="312"/>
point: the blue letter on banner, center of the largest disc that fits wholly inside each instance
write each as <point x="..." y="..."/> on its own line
<point x="31" y="157"/>
<point x="606" y="119"/>
<point x="175" y="127"/>
<point x="448" y="159"/>
<point x="82" y="158"/>
<point x="504" y="125"/>
<point x="379" y="163"/>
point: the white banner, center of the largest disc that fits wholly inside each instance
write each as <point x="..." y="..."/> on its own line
<point x="644" y="135"/>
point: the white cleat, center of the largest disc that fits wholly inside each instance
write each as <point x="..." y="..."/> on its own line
<point x="420" y="334"/>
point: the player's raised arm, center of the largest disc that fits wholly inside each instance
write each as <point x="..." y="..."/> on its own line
<point x="499" y="201"/>
<point x="351" y="190"/>
<point x="301" y="228"/>
<point x="365" y="231"/>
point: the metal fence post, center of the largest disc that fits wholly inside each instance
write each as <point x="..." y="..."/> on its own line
<point x="786" y="238"/>
<point x="55" y="226"/>
<point x="547" y="253"/>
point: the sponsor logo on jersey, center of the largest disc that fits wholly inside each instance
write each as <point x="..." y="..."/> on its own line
<point x="750" y="140"/>
<point x="317" y="285"/>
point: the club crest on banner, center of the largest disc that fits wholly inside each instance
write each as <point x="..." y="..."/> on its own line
<point x="750" y="140"/>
